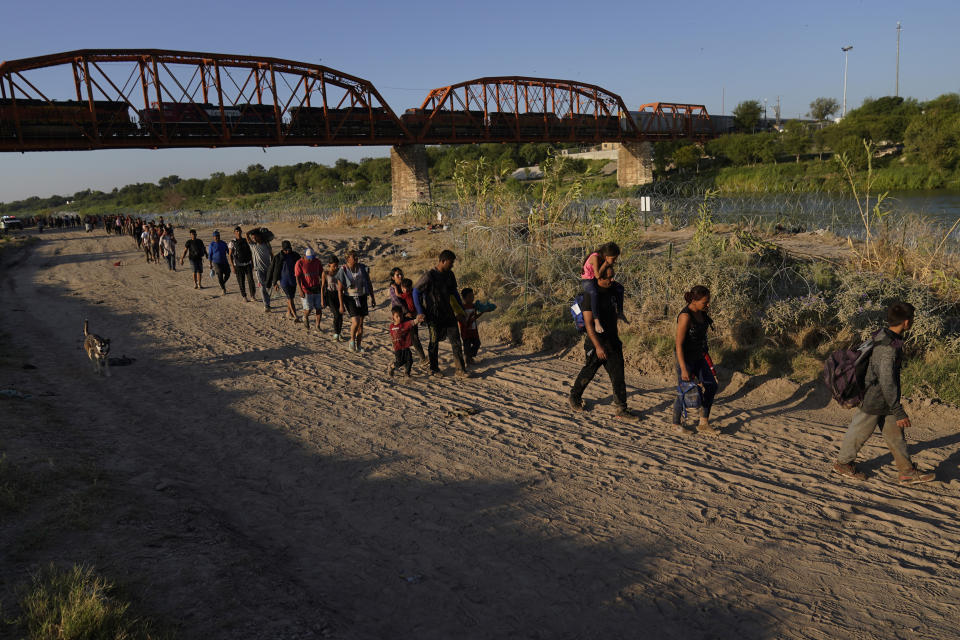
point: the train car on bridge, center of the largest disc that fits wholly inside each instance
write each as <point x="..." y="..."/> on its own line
<point x="190" y="119"/>
<point x="350" y="123"/>
<point x="444" y="124"/>
<point x="65" y="119"/>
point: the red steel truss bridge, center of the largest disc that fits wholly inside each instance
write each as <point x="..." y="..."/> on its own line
<point x="149" y="98"/>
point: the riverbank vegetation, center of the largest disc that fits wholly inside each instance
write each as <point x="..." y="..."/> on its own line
<point x="303" y="186"/>
<point x="777" y="314"/>
<point x="914" y="146"/>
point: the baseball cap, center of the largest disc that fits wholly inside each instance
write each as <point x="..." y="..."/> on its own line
<point x="216" y="233"/>
<point x="308" y="253"/>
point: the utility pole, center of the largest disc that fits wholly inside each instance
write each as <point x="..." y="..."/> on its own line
<point x="897" y="91"/>
<point x="846" y="51"/>
<point x="778" y="113"/>
<point x="723" y="101"/>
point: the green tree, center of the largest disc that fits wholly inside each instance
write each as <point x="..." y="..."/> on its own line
<point x="688" y="157"/>
<point x="823" y="108"/>
<point x="746" y="115"/>
<point x="933" y="137"/>
<point x="795" y="139"/>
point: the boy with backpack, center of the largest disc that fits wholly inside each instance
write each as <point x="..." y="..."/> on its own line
<point x="881" y="406"/>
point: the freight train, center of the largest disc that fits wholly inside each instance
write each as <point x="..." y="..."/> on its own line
<point x="52" y="120"/>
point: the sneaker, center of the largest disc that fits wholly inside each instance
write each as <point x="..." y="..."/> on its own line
<point x="463" y="373"/>
<point x="336" y="337"/>
<point x="359" y="350"/>
<point x="626" y="414"/>
<point x="436" y="373"/>
<point x="848" y="469"/>
<point x="575" y="403"/>
<point x="391" y="369"/>
<point x="352" y="346"/>
<point x="914" y="476"/>
<point x="266" y="309"/>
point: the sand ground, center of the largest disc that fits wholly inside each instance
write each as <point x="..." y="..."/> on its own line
<point x="254" y="480"/>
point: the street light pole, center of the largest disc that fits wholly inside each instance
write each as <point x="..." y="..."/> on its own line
<point x="897" y="91"/>
<point x="846" y="51"/>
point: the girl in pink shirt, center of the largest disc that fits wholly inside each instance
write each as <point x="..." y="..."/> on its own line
<point x="595" y="264"/>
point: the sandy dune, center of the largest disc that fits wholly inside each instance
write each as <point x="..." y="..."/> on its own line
<point x="266" y="483"/>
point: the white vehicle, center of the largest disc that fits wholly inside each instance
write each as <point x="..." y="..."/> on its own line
<point x="10" y="222"/>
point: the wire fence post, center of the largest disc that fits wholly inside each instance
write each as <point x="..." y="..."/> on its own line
<point x="526" y="272"/>
<point x="666" y="304"/>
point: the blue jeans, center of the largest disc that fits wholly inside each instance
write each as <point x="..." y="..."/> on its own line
<point x="692" y="397"/>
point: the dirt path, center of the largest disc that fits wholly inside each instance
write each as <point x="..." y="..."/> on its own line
<point x="266" y="483"/>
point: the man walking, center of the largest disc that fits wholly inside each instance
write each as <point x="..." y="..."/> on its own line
<point x="431" y="297"/>
<point x="218" y="255"/>
<point x="881" y="406"/>
<point x="241" y="257"/>
<point x="283" y="276"/>
<point x="262" y="255"/>
<point x="309" y="274"/>
<point x="602" y="349"/>
<point x="168" y="246"/>
<point x="194" y="249"/>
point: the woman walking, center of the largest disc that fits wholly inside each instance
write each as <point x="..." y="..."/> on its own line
<point x="696" y="382"/>
<point x="353" y="284"/>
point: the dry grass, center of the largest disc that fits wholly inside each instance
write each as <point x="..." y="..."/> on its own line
<point x="78" y="604"/>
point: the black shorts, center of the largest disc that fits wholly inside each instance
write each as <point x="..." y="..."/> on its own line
<point x="356" y="307"/>
<point x="197" y="264"/>
<point x="290" y="291"/>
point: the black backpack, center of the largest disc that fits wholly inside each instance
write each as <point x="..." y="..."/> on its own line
<point x="845" y="371"/>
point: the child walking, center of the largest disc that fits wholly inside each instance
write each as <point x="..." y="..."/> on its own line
<point x="881" y="408"/>
<point x="401" y="332"/>
<point x="410" y="313"/>
<point x="469" y="332"/>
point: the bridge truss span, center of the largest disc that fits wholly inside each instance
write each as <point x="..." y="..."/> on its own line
<point x="520" y="109"/>
<point x="673" y="120"/>
<point x="160" y="98"/>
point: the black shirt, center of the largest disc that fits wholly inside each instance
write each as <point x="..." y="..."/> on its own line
<point x="606" y="312"/>
<point x="195" y="249"/>
<point x="435" y="289"/>
<point x="695" y="342"/>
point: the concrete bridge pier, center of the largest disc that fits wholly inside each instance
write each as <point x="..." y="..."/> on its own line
<point x="635" y="164"/>
<point x="411" y="180"/>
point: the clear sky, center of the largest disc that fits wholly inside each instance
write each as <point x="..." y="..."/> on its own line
<point x="691" y="51"/>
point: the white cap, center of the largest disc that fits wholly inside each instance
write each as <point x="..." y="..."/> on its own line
<point x="308" y="253"/>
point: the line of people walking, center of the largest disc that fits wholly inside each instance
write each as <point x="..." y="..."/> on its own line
<point x="451" y="314"/>
<point x="345" y="291"/>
